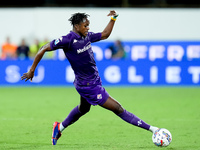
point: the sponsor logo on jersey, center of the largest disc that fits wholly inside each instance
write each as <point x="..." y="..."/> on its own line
<point x="74" y="41"/>
<point x="85" y="48"/>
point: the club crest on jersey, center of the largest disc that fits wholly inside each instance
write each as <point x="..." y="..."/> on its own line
<point x="99" y="96"/>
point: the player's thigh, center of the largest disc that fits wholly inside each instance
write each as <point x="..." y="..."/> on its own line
<point x="113" y="105"/>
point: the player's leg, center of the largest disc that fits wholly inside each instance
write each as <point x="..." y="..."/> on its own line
<point x="73" y="116"/>
<point x="114" y="106"/>
<point x="76" y="113"/>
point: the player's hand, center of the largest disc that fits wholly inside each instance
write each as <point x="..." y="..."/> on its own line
<point x="112" y="13"/>
<point x="27" y="76"/>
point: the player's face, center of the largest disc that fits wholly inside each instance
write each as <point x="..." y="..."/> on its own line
<point x="83" y="27"/>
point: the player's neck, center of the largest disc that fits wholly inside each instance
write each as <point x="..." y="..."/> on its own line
<point x="75" y="31"/>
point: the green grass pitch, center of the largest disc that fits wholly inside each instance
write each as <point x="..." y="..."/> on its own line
<point x="27" y="115"/>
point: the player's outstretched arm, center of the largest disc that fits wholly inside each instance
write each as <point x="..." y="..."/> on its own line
<point x="108" y="29"/>
<point x="38" y="57"/>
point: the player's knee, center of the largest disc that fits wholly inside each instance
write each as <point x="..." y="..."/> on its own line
<point x="118" y="109"/>
<point x="84" y="110"/>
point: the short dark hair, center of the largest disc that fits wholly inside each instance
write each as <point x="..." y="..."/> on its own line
<point x="77" y="18"/>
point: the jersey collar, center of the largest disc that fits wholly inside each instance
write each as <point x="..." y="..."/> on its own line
<point x="75" y="34"/>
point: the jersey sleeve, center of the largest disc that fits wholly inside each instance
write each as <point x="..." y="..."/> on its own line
<point x="94" y="37"/>
<point x="60" y="43"/>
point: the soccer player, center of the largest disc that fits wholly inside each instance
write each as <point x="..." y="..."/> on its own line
<point x="77" y="48"/>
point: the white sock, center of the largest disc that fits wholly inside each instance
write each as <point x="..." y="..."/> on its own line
<point x="153" y="129"/>
<point x="61" y="127"/>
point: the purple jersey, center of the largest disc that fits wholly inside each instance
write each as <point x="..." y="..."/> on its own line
<point x="80" y="55"/>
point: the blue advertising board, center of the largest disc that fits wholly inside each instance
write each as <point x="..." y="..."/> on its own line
<point x="147" y="63"/>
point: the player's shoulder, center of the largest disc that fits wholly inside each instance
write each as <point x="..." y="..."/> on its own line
<point x="93" y="34"/>
<point x="90" y="33"/>
<point x="66" y="38"/>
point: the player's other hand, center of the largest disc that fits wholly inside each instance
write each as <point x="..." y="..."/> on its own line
<point x="27" y="76"/>
<point x="112" y="13"/>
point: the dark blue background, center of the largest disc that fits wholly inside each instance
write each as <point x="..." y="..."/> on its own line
<point x="55" y="70"/>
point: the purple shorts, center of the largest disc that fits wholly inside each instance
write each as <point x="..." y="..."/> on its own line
<point x="95" y="94"/>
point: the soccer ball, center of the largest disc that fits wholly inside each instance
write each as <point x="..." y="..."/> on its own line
<point x="162" y="137"/>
